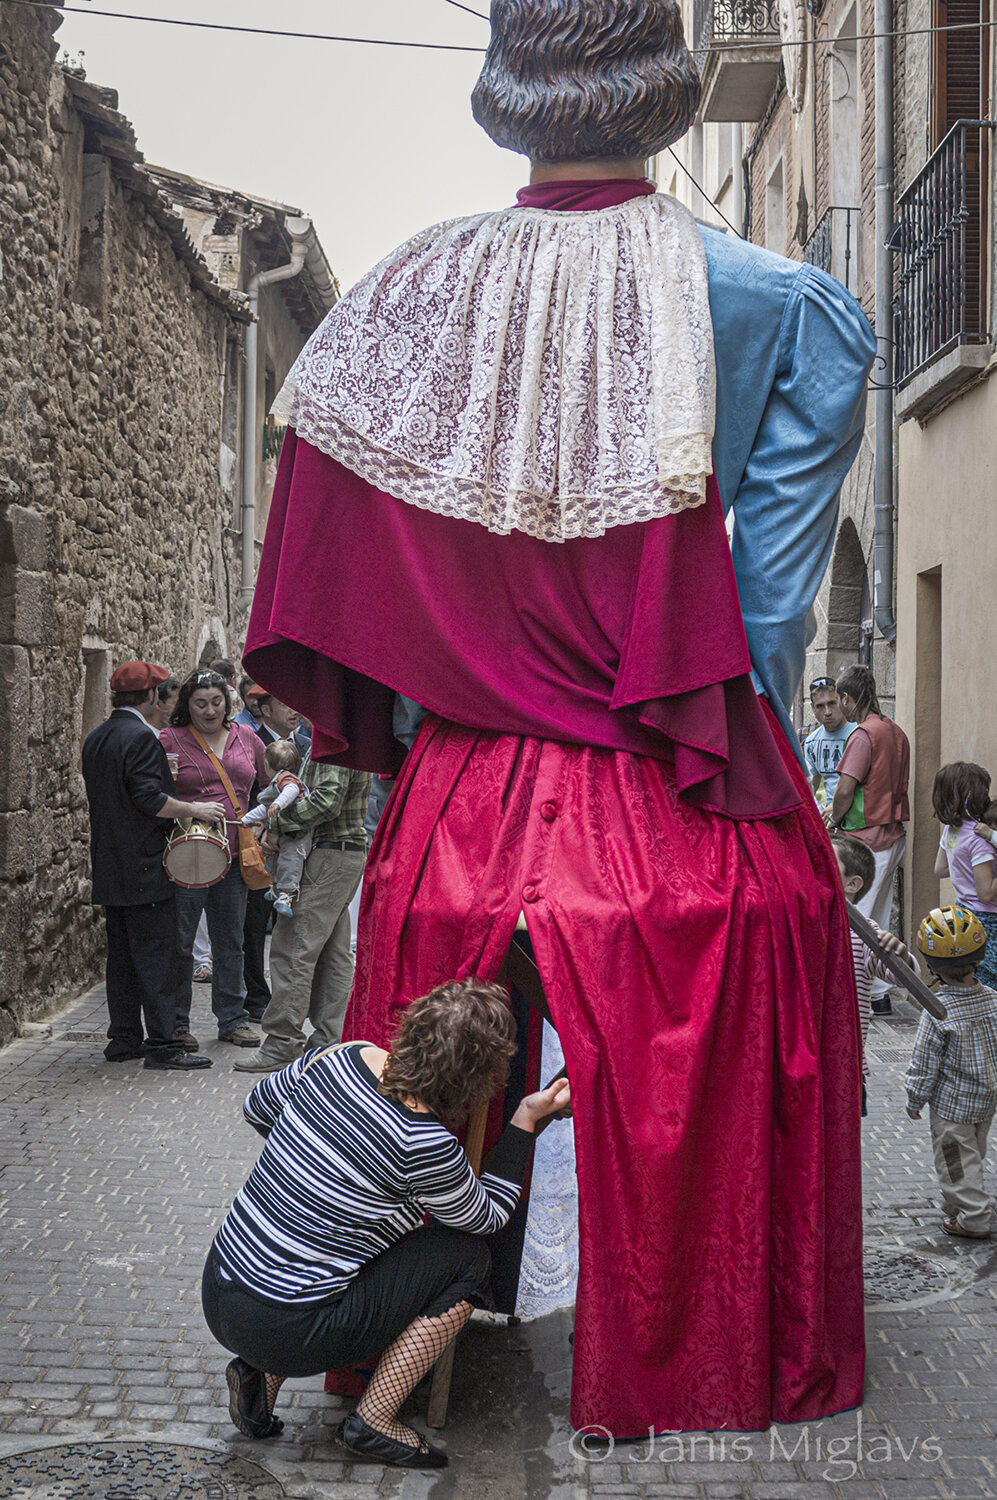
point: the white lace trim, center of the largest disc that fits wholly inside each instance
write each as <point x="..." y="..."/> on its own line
<point x="543" y="372"/>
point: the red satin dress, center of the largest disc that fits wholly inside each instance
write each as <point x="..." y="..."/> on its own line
<point x="681" y="896"/>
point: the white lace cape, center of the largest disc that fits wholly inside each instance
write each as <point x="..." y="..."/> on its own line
<point x="529" y="370"/>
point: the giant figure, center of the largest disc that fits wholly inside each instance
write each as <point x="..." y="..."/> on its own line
<point x="502" y="495"/>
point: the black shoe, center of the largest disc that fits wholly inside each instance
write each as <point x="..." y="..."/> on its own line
<point x="183" y="1038"/>
<point x="176" y="1059"/>
<point x="355" y="1435"/>
<point x="247" y="1401"/>
<point x="882" y="1007"/>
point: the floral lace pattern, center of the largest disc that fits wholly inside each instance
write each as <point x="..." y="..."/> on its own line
<point x="529" y="370"/>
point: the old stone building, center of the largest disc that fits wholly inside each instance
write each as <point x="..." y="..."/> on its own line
<point x="128" y="468"/>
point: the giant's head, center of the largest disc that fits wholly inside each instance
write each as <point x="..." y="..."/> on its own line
<point x="584" y="80"/>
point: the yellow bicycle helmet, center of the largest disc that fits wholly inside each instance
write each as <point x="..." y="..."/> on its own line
<point x="950" y="932"/>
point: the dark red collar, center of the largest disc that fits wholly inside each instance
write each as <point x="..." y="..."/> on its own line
<point x="576" y="196"/>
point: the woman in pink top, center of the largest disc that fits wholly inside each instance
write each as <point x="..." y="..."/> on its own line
<point x="202" y="714"/>
<point x="960" y="797"/>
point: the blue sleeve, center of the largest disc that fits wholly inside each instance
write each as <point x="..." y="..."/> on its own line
<point x="786" y="506"/>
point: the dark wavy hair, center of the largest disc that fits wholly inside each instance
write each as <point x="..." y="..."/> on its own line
<point x="577" y="80"/>
<point x="452" y="1049"/>
<point x="859" y="683"/>
<point x="961" y="790"/>
<point x="203" y="677"/>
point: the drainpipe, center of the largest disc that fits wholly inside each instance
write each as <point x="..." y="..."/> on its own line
<point x="300" y="229"/>
<point x="883" y="492"/>
<point x="737" y="176"/>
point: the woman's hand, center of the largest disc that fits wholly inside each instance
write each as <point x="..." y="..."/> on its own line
<point x="553" y="1100"/>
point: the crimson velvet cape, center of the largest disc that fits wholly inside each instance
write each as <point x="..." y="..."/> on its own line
<point x="596" y="757"/>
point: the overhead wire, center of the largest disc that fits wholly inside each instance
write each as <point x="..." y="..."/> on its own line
<point x="302" y="36"/>
<point x="756" y="43"/>
<point x="458" y="6"/>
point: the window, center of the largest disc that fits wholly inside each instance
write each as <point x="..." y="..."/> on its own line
<point x="96" y="686"/>
<point x="93" y="270"/>
<point x="959" y="81"/>
<point x="959" y="91"/>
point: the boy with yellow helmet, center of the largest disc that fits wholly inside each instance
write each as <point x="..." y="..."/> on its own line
<point x="953" y="1068"/>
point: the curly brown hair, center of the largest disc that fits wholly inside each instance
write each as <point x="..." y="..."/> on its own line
<point x="452" y="1049"/>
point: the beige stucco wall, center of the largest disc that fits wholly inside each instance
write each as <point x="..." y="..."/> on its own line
<point x="947" y="520"/>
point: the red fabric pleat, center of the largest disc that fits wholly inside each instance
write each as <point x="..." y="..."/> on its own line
<point x="629" y="641"/>
<point x="699" y="973"/>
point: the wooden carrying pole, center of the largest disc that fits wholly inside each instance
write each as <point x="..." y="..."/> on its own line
<point x="519" y="969"/>
<point x="903" y="973"/>
<point x="439" y="1395"/>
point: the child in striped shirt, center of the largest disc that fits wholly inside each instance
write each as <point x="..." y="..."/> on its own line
<point x="857" y="867"/>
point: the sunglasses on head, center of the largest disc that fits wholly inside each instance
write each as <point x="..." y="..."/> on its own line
<point x="211" y="678"/>
<point x="821" y="682"/>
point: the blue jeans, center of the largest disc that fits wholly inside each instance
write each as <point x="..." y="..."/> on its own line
<point x="224" y="905"/>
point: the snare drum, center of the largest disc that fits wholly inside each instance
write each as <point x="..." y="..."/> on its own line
<point x="197" y="854"/>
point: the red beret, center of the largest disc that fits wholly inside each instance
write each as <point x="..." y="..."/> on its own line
<point x="137" y="677"/>
<point x="258" y="692"/>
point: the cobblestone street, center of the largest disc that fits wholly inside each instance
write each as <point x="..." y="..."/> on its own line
<point x="114" y="1178"/>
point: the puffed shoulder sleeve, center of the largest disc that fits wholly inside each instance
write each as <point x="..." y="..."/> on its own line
<point x="786" y="506"/>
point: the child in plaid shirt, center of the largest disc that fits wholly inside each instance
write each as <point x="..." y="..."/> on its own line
<point x="954" y="1067"/>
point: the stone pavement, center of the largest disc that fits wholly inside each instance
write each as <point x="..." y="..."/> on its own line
<point x="113" y="1180"/>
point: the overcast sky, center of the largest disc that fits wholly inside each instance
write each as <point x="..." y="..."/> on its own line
<point x="373" y="142"/>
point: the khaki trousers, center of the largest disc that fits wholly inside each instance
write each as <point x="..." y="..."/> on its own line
<point x="311" y="966"/>
<point x="959" y="1151"/>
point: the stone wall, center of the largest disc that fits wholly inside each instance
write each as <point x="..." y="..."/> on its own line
<point x="113" y="517"/>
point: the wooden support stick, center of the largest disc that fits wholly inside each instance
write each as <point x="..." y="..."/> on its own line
<point x="518" y="969"/>
<point x="903" y="973"/>
<point x="439" y="1395"/>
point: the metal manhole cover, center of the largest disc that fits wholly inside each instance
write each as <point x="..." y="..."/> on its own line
<point x="895" y="1277"/>
<point x="133" y="1471"/>
<point x="891" y="1054"/>
<point x="80" y="1036"/>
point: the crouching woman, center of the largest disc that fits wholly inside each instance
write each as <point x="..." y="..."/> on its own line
<point x="323" y="1260"/>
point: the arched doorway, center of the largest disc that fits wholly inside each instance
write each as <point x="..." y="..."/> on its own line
<point x="849" y="603"/>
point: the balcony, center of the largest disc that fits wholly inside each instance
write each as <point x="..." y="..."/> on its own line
<point x="941" y="308"/>
<point x="737" y="51"/>
<point x="834" y="246"/>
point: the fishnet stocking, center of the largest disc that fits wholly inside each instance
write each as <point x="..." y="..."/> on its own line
<point x="402" y="1366"/>
<point x="274" y="1383"/>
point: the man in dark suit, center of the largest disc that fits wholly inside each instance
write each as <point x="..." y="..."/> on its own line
<point x="129" y="790"/>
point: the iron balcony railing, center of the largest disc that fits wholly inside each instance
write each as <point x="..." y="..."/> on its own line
<point x="833" y="246"/>
<point x="733" y="22"/>
<point x="942" y="238"/>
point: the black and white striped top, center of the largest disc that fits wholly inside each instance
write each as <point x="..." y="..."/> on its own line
<point x="344" y="1174"/>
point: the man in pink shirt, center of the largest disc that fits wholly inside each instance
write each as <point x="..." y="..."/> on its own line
<point x="870" y="802"/>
